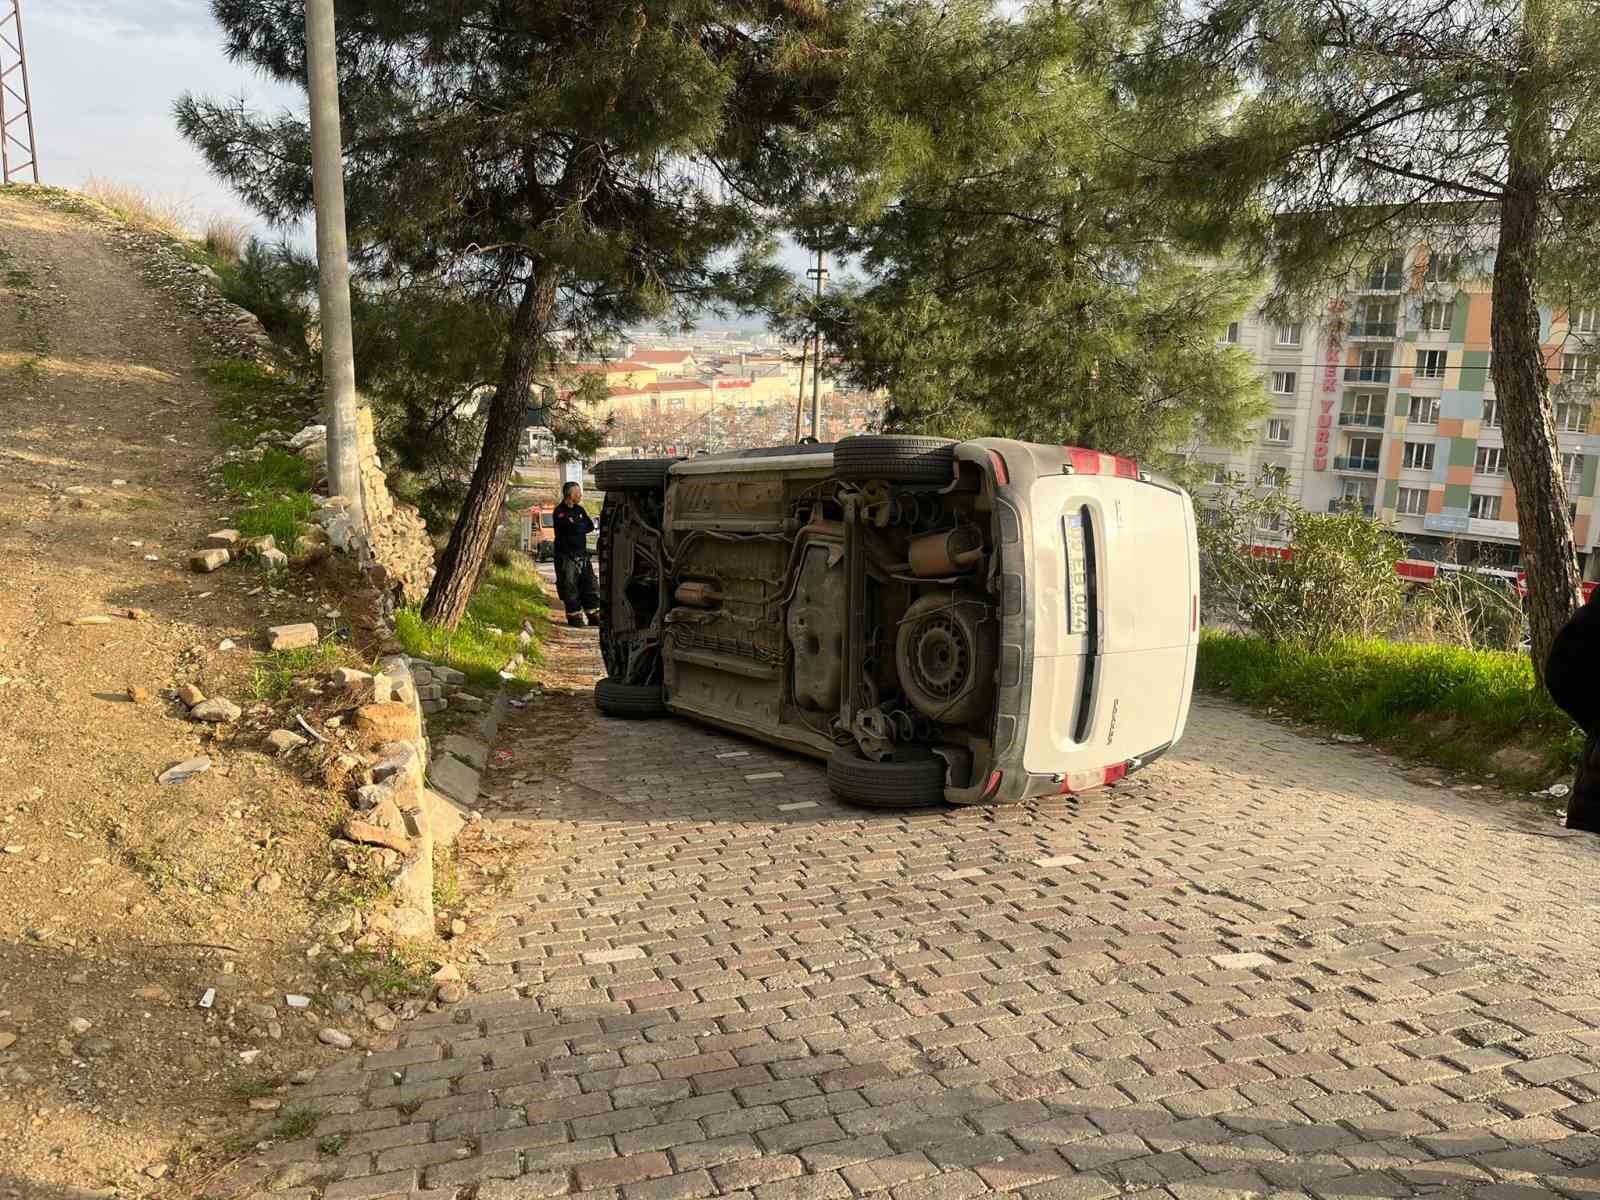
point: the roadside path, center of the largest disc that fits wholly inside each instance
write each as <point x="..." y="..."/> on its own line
<point x="1268" y="964"/>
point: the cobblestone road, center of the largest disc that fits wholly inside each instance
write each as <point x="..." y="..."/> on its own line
<point x="1265" y="965"/>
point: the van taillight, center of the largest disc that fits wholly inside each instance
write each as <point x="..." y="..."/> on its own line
<point x="1001" y="475"/>
<point x="1084" y="781"/>
<point x="993" y="786"/>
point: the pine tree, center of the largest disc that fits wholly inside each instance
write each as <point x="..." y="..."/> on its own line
<point x="1012" y="279"/>
<point x="1359" y="127"/>
<point x="580" y="165"/>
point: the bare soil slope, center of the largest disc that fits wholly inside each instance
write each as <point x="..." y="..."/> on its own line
<point x="123" y="900"/>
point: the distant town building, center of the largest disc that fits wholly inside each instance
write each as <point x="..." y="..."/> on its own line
<point x="1384" y="400"/>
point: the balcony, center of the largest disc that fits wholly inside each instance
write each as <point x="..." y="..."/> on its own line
<point x="1342" y="504"/>
<point x="1365" y="420"/>
<point x="1356" y="466"/>
<point x="1368" y="374"/>
<point x="1369" y="331"/>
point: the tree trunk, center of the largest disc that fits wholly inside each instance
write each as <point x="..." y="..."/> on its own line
<point x="456" y="579"/>
<point x="1517" y="365"/>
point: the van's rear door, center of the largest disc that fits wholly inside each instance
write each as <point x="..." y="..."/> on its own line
<point x="1113" y="592"/>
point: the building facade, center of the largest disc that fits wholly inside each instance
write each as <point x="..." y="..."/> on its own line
<point x="1384" y="400"/>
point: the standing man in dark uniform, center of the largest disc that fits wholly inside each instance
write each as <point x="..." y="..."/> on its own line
<point x="575" y="582"/>
<point x="1573" y="677"/>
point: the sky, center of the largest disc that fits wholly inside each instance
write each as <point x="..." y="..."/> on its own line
<point x="105" y="74"/>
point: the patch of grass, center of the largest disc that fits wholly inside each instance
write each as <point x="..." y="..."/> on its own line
<point x="273" y="674"/>
<point x="507" y="596"/>
<point x="446" y="878"/>
<point x="332" y="1144"/>
<point x="225" y="238"/>
<point x="165" y="215"/>
<point x="391" y="973"/>
<point x="297" y="1122"/>
<point x="1445" y="704"/>
<point x="253" y="400"/>
<point x="242" y="1091"/>
<point x="274" y="486"/>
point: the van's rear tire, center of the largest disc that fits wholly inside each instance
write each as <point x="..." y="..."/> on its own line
<point x="895" y="458"/>
<point x="630" y="701"/>
<point x="904" y="783"/>
<point x="632" y="474"/>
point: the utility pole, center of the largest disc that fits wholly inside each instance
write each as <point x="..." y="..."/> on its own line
<point x="333" y="261"/>
<point x="820" y="274"/>
<point x="800" y="400"/>
<point x="16" y="103"/>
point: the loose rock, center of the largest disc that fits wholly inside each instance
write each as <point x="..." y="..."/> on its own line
<point x="223" y="539"/>
<point x="216" y="712"/>
<point x="138" y="695"/>
<point x="268" y="884"/>
<point x="285" y="740"/>
<point x="185" y="770"/>
<point x="292" y="637"/>
<point x="336" y="1037"/>
<point x="191" y="695"/>
<point x="450" y="993"/>
<point x="207" y="561"/>
<point x="274" y="560"/>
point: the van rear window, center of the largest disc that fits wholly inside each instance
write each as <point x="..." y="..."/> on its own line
<point x="1083" y="609"/>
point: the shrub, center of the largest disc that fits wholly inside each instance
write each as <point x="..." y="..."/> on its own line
<point x="276" y="284"/>
<point x="1335" y="579"/>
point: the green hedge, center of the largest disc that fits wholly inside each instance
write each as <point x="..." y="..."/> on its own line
<point x="1458" y="707"/>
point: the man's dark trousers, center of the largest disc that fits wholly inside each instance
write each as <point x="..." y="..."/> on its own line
<point x="576" y="585"/>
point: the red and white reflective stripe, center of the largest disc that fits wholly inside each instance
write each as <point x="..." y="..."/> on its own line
<point x="1092" y="462"/>
<point x="993" y="786"/>
<point x="1085" y="781"/>
<point x="1001" y="475"/>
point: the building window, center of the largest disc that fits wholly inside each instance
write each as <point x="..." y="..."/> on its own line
<point x="1376" y="318"/>
<point x="1491" y="413"/>
<point x="1418" y="456"/>
<point x="1413" y="502"/>
<point x="1424" y="410"/>
<point x="1219" y="472"/>
<point x="1283" y="383"/>
<point x="1438" y="314"/>
<point x="1232" y="336"/>
<point x="1442" y="268"/>
<point x="1572" y="417"/>
<point x="1586" y="319"/>
<point x="1385" y="273"/>
<point x="1279" y="431"/>
<point x="1572" y="469"/>
<point x="1363" y="455"/>
<point x="1431" y="363"/>
<point x="1364" y="408"/>
<point x="1484" y="508"/>
<point x="1491" y="460"/>
<point x="1289" y="335"/>
<point x="1580" y="368"/>
<point x="1275" y="477"/>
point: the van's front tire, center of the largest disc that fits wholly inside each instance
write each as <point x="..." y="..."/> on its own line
<point x="630" y="701"/>
<point x="894" y="783"/>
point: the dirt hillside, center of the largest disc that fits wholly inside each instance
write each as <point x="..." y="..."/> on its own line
<point x="122" y="900"/>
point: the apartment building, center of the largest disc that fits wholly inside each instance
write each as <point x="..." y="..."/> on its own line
<point x="1384" y="400"/>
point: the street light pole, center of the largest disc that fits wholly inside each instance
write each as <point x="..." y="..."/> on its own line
<point x="820" y="274"/>
<point x="333" y="260"/>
